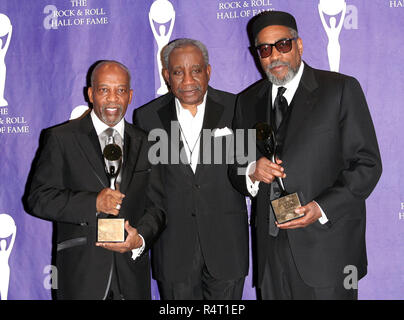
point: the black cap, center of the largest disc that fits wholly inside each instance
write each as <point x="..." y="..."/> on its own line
<point x="272" y="18"/>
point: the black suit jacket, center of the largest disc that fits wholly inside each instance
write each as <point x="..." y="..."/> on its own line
<point x="203" y="204"/>
<point x="330" y="154"/>
<point x="66" y="179"/>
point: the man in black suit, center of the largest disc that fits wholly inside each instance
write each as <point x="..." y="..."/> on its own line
<point x="328" y="152"/>
<point x="203" y="252"/>
<point x="70" y="187"/>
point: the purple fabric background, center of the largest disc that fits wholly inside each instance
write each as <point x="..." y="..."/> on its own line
<point x="46" y="74"/>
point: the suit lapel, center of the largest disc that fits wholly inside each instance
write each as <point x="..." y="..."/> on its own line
<point x="213" y="113"/>
<point x="303" y="102"/>
<point x="260" y="110"/>
<point x="211" y="118"/>
<point x="131" y="153"/>
<point x="168" y="114"/>
<point x="88" y="142"/>
<point x="263" y="103"/>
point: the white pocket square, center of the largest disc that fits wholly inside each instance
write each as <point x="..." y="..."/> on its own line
<point x="221" y="132"/>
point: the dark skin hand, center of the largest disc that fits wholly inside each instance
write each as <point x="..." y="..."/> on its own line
<point x="311" y="213"/>
<point x="266" y="170"/>
<point x="109" y="201"/>
<point x="133" y="241"/>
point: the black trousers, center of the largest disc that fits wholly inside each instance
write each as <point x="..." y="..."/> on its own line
<point x="115" y="292"/>
<point x="282" y="280"/>
<point x="201" y="285"/>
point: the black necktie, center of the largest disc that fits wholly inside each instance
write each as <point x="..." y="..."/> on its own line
<point x="280" y="106"/>
<point x="274" y="194"/>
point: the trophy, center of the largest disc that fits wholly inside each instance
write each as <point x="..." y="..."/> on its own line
<point x="8" y="229"/>
<point x="333" y="30"/>
<point x="284" y="207"/>
<point x="161" y="13"/>
<point x="111" y="229"/>
<point x="6" y="29"/>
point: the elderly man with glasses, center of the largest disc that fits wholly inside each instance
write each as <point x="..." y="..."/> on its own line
<point x="327" y="153"/>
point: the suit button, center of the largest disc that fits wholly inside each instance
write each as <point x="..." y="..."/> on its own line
<point x="193" y="214"/>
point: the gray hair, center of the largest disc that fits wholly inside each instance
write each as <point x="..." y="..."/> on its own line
<point x="292" y="31"/>
<point x="181" y="43"/>
<point x="104" y="62"/>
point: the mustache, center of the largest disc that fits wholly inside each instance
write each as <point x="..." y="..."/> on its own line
<point x="111" y="104"/>
<point x="278" y="63"/>
<point x="199" y="88"/>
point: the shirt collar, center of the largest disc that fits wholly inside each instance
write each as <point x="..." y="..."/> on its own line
<point x="181" y="111"/>
<point x="101" y="126"/>
<point x="291" y="86"/>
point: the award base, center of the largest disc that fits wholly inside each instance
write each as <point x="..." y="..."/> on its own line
<point x="284" y="208"/>
<point x="111" y="230"/>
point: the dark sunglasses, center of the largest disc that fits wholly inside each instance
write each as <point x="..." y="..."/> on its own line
<point x="283" y="46"/>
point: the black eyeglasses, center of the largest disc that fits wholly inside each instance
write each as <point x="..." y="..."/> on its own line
<point x="283" y="46"/>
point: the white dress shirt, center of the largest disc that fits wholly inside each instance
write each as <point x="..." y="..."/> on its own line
<point x="100" y="127"/>
<point x="291" y="88"/>
<point x="191" y="130"/>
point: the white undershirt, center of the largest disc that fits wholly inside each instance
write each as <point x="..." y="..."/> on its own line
<point x="190" y="128"/>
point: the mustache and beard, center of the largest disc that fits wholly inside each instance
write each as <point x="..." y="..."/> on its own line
<point x="107" y="118"/>
<point x="289" y="75"/>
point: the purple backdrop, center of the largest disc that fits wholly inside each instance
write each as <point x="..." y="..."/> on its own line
<point x="53" y="43"/>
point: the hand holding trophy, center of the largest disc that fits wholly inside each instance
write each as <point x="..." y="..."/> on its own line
<point x="283" y="207"/>
<point x="112" y="228"/>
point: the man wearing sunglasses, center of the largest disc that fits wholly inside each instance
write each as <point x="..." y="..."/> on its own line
<point x="328" y="153"/>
